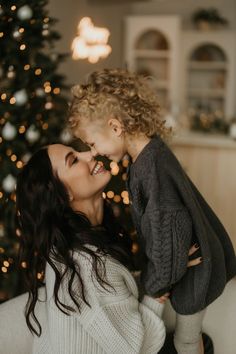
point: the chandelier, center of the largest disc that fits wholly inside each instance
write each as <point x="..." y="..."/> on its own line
<point x="91" y="42"/>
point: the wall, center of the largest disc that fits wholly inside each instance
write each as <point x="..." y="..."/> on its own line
<point x="110" y="14"/>
<point x="69" y="13"/>
<point x="184" y="8"/>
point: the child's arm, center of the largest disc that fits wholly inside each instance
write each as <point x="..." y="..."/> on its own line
<point x="167" y="239"/>
<point x="167" y="233"/>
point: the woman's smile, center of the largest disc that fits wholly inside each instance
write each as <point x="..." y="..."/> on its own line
<point x="98" y="168"/>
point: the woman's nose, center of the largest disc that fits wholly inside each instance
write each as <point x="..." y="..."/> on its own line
<point x="86" y="156"/>
<point x="93" y="151"/>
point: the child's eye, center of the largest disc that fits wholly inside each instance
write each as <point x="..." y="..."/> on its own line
<point x="75" y="160"/>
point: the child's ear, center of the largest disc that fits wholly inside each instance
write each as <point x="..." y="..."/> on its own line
<point x="116" y="126"/>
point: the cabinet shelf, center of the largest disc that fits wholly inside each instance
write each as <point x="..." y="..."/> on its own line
<point x="211" y="93"/>
<point x="161" y="85"/>
<point x="207" y="65"/>
<point x="152" y="53"/>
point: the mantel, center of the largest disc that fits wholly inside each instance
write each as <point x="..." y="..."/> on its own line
<point x="203" y="140"/>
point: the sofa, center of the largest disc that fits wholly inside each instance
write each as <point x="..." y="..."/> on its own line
<point x="219" y="323"/>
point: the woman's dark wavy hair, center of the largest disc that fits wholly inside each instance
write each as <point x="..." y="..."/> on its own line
<point x="50" y="229"/>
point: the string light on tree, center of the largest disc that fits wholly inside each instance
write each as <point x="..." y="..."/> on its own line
<point x="29" y="116"/>
<point x="48" y="105"/>
<point x="11" y="73"/>
<point x="110" y="194"/>
<point x="114" y="168"/>
<point x="26" y="67"/>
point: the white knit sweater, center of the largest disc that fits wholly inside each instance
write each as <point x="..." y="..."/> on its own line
<point x="116" y="323"/>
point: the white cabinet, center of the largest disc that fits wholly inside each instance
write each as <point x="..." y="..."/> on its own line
<point x="193" y="70"/>
<point x="208" y="71"/>
<point x="152" y="47"/>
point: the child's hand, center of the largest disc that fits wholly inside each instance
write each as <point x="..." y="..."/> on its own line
<point x="195" y="261"/>
<point x="163" y="298"/>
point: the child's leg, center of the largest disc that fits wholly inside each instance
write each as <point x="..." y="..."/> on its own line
<point x="188" y="338"/>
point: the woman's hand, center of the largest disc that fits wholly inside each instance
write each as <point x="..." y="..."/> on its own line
<point x="191" y="263"/>
<point x="194" y="261"/>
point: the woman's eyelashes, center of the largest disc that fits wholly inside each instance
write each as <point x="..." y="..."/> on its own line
<point x="75" y="160"/>
<point x="91" y="145"/>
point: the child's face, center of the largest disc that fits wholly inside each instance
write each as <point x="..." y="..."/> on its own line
<point x="103" y="139"/>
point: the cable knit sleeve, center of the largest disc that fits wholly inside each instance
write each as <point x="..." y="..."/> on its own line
<point x="119" y="322"/>
<point x="167" y="242"/>
<point x="166" y="229"/>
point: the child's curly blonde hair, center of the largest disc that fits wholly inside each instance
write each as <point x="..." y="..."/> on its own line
<point x="119" y="94"/>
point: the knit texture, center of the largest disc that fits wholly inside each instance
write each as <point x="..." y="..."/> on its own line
<point x="115" y="323"/>
<point x="170" y="215"/>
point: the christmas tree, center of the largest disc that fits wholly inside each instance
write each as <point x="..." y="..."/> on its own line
<point x="32" y="111"/>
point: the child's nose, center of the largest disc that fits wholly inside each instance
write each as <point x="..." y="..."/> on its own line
<point x="85" y="156"/>
<point x="88" y="156"/>
<point x="93" y="151"/>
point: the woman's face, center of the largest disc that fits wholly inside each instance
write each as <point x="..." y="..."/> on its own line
<point x="84" y="177"/>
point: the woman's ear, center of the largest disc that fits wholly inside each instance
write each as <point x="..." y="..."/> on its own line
<point x="71" y="198"/>
<point x="116" y="126"/>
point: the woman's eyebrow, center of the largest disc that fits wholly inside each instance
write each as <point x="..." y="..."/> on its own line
<point x="67" y="156"/>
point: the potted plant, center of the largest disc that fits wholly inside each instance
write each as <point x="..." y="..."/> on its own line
<point x="206" y="19"/>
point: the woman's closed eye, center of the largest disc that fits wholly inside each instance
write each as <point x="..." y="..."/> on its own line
<point x="90" y="145"/>
<point x="75" y="160"/>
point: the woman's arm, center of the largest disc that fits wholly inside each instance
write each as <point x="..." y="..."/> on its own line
<point x="118" y="321"/>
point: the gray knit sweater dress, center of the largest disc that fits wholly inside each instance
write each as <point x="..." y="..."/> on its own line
<point x="170" y="215"/>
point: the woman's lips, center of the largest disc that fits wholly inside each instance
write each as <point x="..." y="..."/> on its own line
<point x="98" y="168"/>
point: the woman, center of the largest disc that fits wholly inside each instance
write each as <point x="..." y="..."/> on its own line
<point x="67" y="233"/>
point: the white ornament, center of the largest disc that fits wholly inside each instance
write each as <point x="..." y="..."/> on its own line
<point x="16" y="34"/>
<point x="9" y="131"/>
<point x="66" y="136"/>
<point x="40" y="92"/>
<point x="26" y="157"/>
<point x="21" y="97"/>
<point x="54" y="56"/>
<point x="9" y="183"/>
<point x="32" y="134"/>
<point x="24" y="13"/>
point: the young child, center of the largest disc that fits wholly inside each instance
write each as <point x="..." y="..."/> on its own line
<point x="117" y="113"/>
